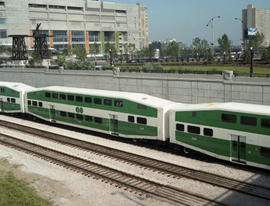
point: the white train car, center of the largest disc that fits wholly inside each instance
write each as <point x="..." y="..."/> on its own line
<point x="230" y="131"/>
<point x="12" y="97"/>
<point x="130" y="115"/>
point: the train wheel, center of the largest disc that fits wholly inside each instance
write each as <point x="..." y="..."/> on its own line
<point x="186" y="150"/>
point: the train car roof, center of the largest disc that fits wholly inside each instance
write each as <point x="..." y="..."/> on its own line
<point x="137" y="97"/>
<point x="17" y="86"/>
<point x="229" y="106"/>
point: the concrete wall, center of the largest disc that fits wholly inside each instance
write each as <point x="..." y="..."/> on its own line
<point x="175" y="87"/>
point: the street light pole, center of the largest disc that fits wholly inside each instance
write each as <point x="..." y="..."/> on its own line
<point x="110" y="52"/>
<point x="211" y="21"/>
<point x="251" y="62"/>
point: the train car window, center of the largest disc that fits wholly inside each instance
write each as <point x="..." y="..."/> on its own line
<point x="265" y="123"/>
<point x="194" y="114"/>
<point x="107" y="102"/>
<point x="98" y="120"/>
<point x="265" y="152"/>
<point x="97" y="101"/>
<point x="228" y="118"/>
<point x="70" y="97"/>
<point x="71" y="115"/>
<point x="48" y="94"/>
<point x="88" y="118"/>
<point x="251" y="121"/>
<point x="63" y="96"/>
<point x="194" y="130"/>
<point x="141" y="106"/>
<point x="118" y="103"/>
<point x="13" y="100"/>
<point x="131" y="119"/>
<point x="29" y="102"/>
<point x="8" y="99"/>
<point x="208" y="132"/>
<point x="63" y="114"/>
<point x="79" y="117"/>
<point x="2" y="90"/>
<point x="55" y="95"/>
<point x="88" y="100"/>
<point x="180" y="127"/>
<point x="141" y="120"/>
<point x="34" y="103"/>
<point x="79" y="99"/>
<point x="40" y="104"/>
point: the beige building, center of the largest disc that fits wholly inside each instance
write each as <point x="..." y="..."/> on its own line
<point x="89" y="23"/>
<point x="257" y="18"/>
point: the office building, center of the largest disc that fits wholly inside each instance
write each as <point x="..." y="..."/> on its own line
<point x="256" y="18"/>
<point x="89" y="23"/>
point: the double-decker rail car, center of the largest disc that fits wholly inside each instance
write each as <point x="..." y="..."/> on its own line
<point x="131" y="115"/>
<point x="12" y="97"/>
<point x="230" y="131"/>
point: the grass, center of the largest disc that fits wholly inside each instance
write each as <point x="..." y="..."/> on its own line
<point x="242" y="70"/>
<point x="16" y="192"/>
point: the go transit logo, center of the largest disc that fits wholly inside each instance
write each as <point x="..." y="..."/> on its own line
<point x="79" y="109"/>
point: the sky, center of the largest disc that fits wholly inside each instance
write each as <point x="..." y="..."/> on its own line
<point x="185" y="20"/>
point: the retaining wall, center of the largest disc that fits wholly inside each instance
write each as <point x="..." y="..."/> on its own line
<point x="175" y="87"/>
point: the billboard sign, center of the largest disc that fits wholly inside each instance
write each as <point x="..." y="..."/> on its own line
<point x="252" y="31"/>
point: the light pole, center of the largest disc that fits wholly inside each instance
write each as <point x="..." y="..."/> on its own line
<point x="211" y="21"/>
<point x="110" y="52"/>
<point x="243" y="36"/>
<point x="251" y="62"/>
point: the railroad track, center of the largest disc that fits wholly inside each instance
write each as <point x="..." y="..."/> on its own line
<point x="108" y="175"/>
<point x="152" y="164"/>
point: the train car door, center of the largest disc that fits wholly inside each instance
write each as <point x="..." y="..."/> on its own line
<point x="52" y="113"/>
<point x="114" y="124"/>
<point x="238" y="148"/>
<point x="1" y="105"/>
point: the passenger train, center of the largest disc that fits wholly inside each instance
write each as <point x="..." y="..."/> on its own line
<point x="230" y="131"/>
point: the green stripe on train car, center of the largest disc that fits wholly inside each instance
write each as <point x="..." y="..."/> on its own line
<point x="127" y="128"/>
<point x="7" y="106"/>
<point x="9" y="92"/>
<point x="213" y="119"/>
<point x="128" y="106"/>
<point x="210" y="144"/>
<point x="221" y="147"/>
<point x="124" y="128"/>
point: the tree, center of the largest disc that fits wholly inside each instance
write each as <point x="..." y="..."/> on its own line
<point x="204" y="47"/>
<point x="69" y="49"/>
<point x="256" y="41"/>
<point x="110" y="47"/>
<point x="148" y="51"/>
<point x="210" y="58"/>
<point x="79" y="51"/>
<point x="61" y="60"/>
<point x="2" y="49"/>
<point x="199" y="47"/>
<point x="94" y="48"/>
<point x="225" y="45"/>
<point x="131" y="49"/>
<point x="246" y="57"/>
<point x="266" y="55"/>
<point x="173" y="49"/>
<point x="36" y="58"/>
